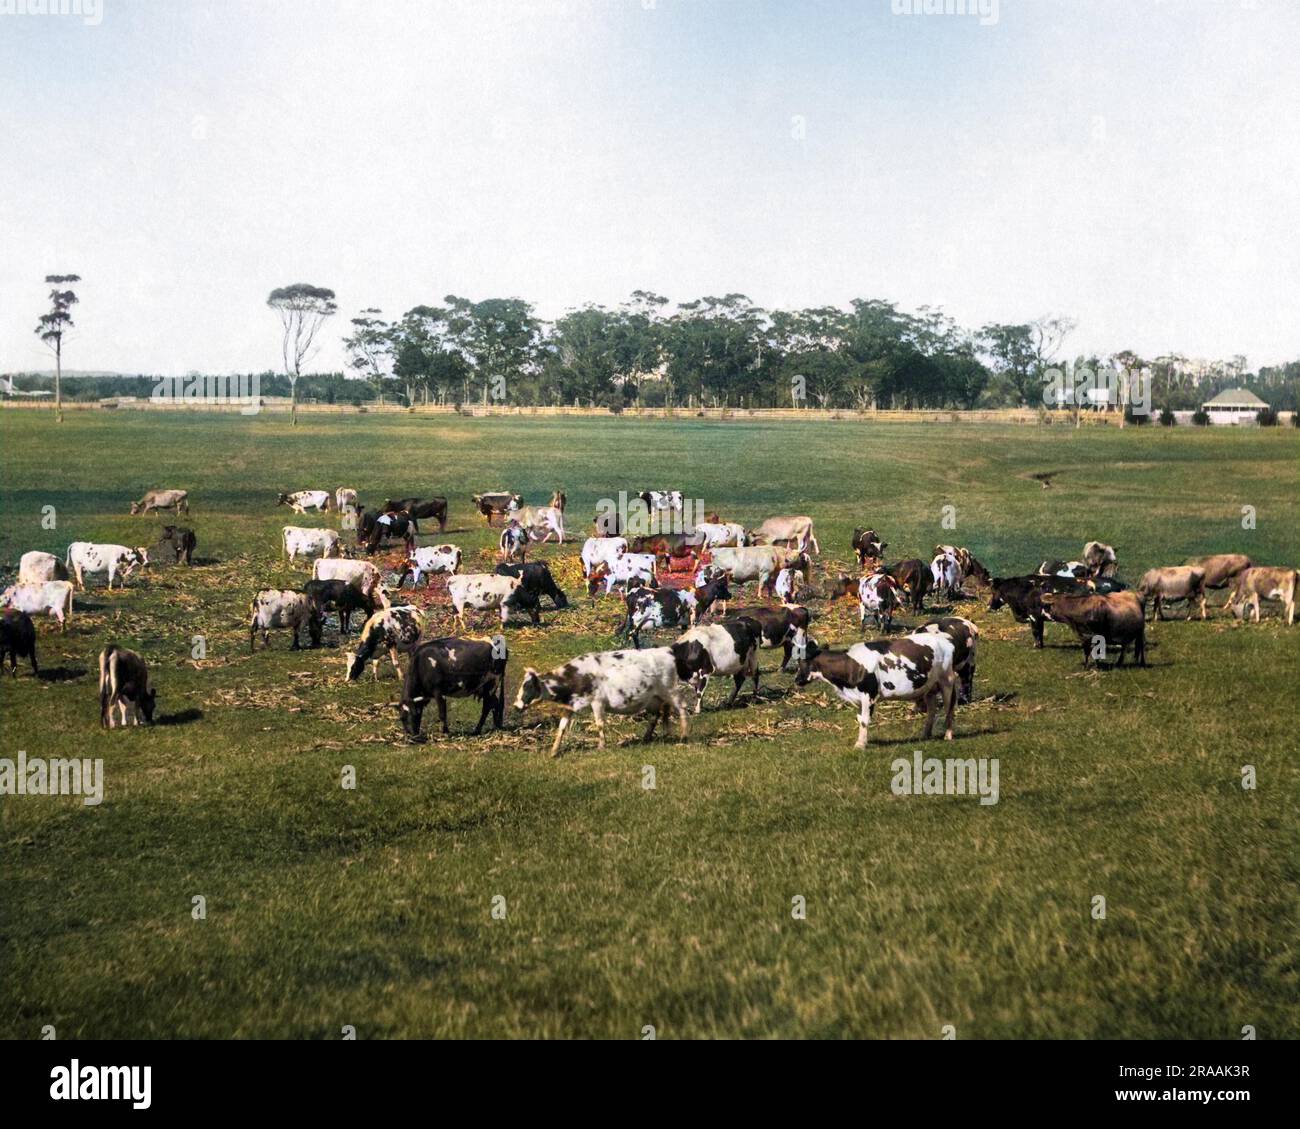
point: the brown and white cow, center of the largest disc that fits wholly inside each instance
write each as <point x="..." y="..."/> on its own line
<point x="124" y="684"/>
<point x="178" y="500"/>
<point x="1255" y="584"/>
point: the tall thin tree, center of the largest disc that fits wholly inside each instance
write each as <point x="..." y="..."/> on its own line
<point x="302" y="309"/>
<point x="52" y="326"/>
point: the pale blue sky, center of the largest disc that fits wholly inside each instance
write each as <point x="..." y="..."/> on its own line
<point x="1131" y="163"/>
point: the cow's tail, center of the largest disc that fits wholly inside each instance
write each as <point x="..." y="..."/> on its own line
<point x="107" y="659"/>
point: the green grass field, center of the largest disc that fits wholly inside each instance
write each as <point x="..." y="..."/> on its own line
<point x="671" y="907"/>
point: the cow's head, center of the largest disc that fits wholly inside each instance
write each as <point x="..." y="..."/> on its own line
<point x="531" y="689"/>
<point x="147" y="702"/>
<point x="692" y="660"/>
<point x="353" y="665"/>
<point x="135" y="507"/>
<point x="411" y="713"/>
<point x="596" y="578"/>
<point x="283" y="500"/>
<point x="804" y="650"/>
<point x="996" y="601"/>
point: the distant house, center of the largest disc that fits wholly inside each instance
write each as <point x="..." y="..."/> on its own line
<point x="1233" y="406"/>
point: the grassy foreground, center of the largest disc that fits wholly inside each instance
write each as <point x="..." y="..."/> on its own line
<point x="670" y="907"/>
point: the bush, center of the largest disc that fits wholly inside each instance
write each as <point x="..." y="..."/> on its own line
<point x="1201" y="418"/>
<point x="1167" y="418"/>
<point x="1137" y="419"/>
<point x="1266" y="417"/>
<point x="1295" y="418"/>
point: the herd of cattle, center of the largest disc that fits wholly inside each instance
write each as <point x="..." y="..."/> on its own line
<point x="677" y="581"/>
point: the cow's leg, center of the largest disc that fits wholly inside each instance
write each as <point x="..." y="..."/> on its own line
<point x="1036" y="627"/>
<point x="864" y="720"/>
<point x="739" y="679"/>
<point x="682" y="726"/>
<point x="950" y="705"/>
<point x="1203" y="615"/>
<point x="654" y="721"/>
<point x="700" y="687"/>
<point x="1254" y="605"/>
<point x="559" y="734"/>
<point x="931" y="706"/>
<point x="787" y="649"/>
<point x="598" y="715"/>
<point x="392" y="654"/>
<point x="753" y="672"/>
<point x="441" y="699"/>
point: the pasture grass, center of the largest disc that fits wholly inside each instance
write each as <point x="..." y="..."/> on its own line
<point x="671" y="907"/>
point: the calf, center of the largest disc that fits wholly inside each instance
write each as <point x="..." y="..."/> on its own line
<point x="345" y="498"/>
<point x="176" y="544"/>
<point x="513" y="541"/>
<point x="124" y="683"/>
<point x="17" y="640"/>
<point x="730" y="647"/>
<point x="662" y="501"/>
<point x="1115" y="621"/>
<point x="178" y="500"/>
<point x="494" y="502"/>
<point x="481" y="591"/>
<point x="796" y="532"/>
<point x="341" y="597"/>
<point x="454" y="668"/>
<point x="914" y="577"/>
<point x="86" y="557"/>
<point x="1178" y="582"/>
<point x="432" y="559"/>
<point x="879" y="596"/>
<point x="777" y="626"/>
<point x="868" y="545"/>
<point x="638" y="567"/>
<point x="1255" y="584"/>
<point x="916" y="667"/>
<point x="394" y="628"/>
<point x="540" y="523"/>
<point x="53" y="597"/>
<point x="601" y="550"/>
<point x="1023" y="595"/>
<point x="1100" y="559"/>
<point x="964" y="636"/>
<point x="537" y="581"/>
<point x="283" y="607"/>
<point x="303" y="500"/>
<point x="298" y="541"/>
<point x="386" y="527"/>
<point x="651" y="609"/>
<point x="420" y="509"/>
<point x="718" y="535"/>
<point x="622" y="682"/>
<point x="36" y="568"/>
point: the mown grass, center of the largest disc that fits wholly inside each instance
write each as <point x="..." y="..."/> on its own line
<point x="670" y="907"/>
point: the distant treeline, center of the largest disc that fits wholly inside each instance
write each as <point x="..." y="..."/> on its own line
<point x="718" y="352"/>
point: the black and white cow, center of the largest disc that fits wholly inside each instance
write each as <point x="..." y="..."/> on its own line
<point x="303" y="541"/>
<point x="483" y="591"/>
<point x="601" y="550"/>
<point x="621" y="682"/>
<point x="341" y="597"/>
<point x="87" y="557"/>
<point x="394" y="629"/>
<point x="17" y="640"/>
<point x="283" y="607"/>
<point x="1024" y="596"/>
<point x="513" y="541"/>
<point x="430" y="561"/>
<point x="964" y="636"/>
<point x="454" y="668"/>
<point x="879" y="596"/>
<point x="537" y="581"/>
<point x="777" y="626"/>
<point x="649" y="609"/>
<point x="124" y="684"/>
<point x="628" y="569"/>
<point x="731" y="648"/>
<point x="391" y="527"/>
<point x="916" y="667"/>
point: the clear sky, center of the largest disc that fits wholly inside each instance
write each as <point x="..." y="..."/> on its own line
<point x="1134" y="164"/>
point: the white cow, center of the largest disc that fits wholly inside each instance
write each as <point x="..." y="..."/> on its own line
<point x="795" y="531"/>
<point x="601" y="550"/>
<point x="87" y="557"/>
<point x="540" y="522"/>
<point x="303" y="500"/>
<point x="37" y="567"/>
<point x="283" y="607"/>
<point x="759" y="562"/>
<point x="721" y="534"/>
<point x="52" y="597"/>
<point x="622" y="682"/>
<point x="945" y="573"/>
<point x="625" y="569"/>
<point x="432" y="559"/>
<point x="362" y="575"/>
<point x="483" y="591"/>
<point x="345" y="498"/>
<point x="298" y="540"/>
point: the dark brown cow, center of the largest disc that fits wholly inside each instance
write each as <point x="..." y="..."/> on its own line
<point x="868" y="545"/>
<point x="914" y="575"/>
<point x="1114" y="621"/>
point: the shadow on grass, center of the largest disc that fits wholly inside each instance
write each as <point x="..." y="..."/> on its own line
<point x="184" y="717"/>
<point x="62" y="673"/>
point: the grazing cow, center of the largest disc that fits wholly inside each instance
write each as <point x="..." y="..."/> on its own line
<point x="879" y="596"/>
<point x="1177" y="582"/>
<point x="495" y="502"/>
<point x="917" y="667"/>
<point x="662" y="501"/>
<point x="341" y="597"/>
<point x="419" y="509"/>
<point x="482" y="591"/>
<point x="345" y="498"/>
<point x="796" y="532"/>
<point x="303" y="500"/>
<point x="87" y="557"/>
<point x="668" y="544"/>
<point x="1100" y="559"/>
<point x="540" y="523"/>
<point x="868" y="545"/>
<point x="1023" y="595"/>
<point x="537" y="581"/>
<point x="360" y="574"/>
<point x="622" y="682"/>
<point x="17" y="640"/>
<point x="945" y="576"/>
<point x="1114" y="621"/>
<point x="601" y="550"/>
<point x="454" y="668"/>
<point x="649" y="609"/>
<point x="297" y="540"/>
<point x="176" y="544"/>
<point x="37" y="567"/>
<point x="1222" y="569"/>
<point x="777" y="626"/>
<point x="624" y="570"/>
<point x="967" y="565"/>
<point x="1261" y="583"/>
<point x="914" y="577"/>
<point x="178" y="500"/>
<point x="761" y="563"/>
<point x="393" y="628"/>
<point x="964" y="636"/>
<point x="283" y="607"/>
<point x="124" y="683"/>
<point x="400" y="526"/>
<point x="430" y="560"/>
<point x="53" y="597"/>
<point x="730" y="647"/>
<point x="1066" y="570"/>
<point x="513" y="541"/>
<point x="718" y="535"/>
